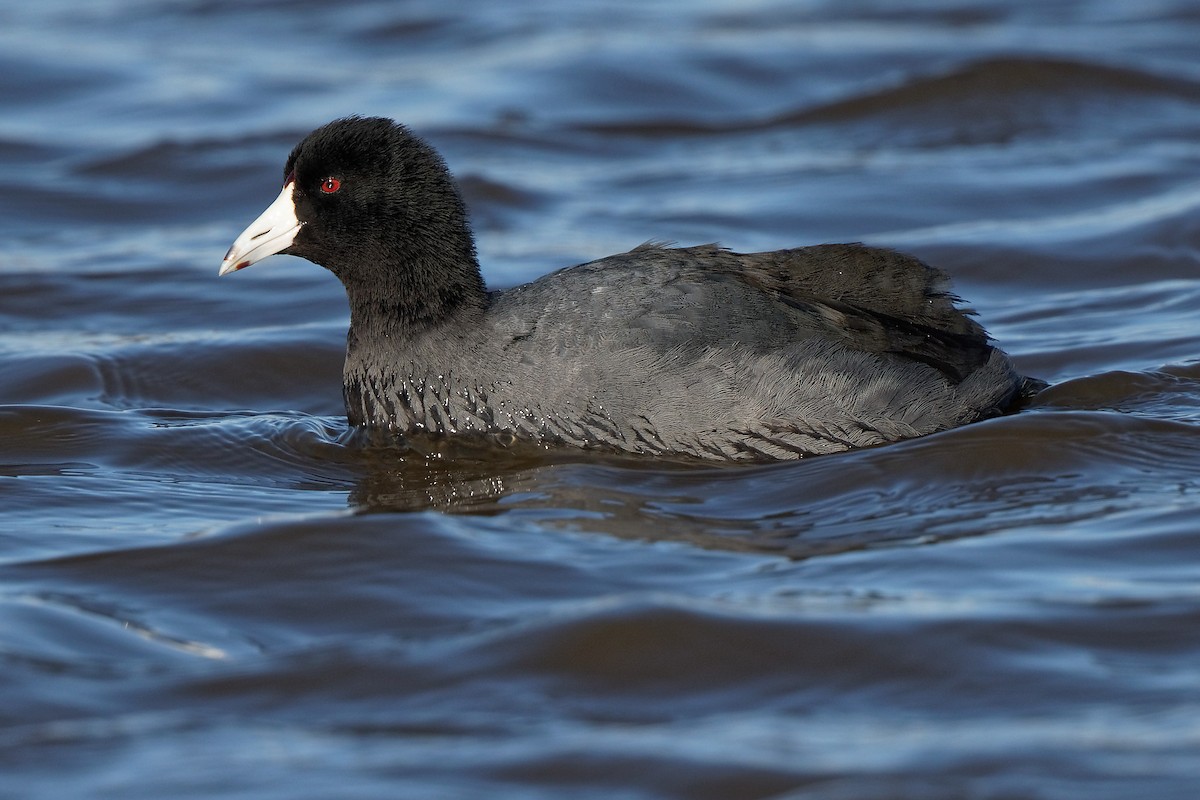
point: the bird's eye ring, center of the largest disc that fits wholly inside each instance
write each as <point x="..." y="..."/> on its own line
<point x="330" y="185"/>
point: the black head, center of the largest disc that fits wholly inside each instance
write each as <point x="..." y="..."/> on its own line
<point x="375" y="205"/>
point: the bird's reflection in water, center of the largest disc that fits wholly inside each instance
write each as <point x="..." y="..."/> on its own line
<point x="565" y="489"/>
<point x="819" y="506"/>
<point x="464" y="474"/>
<point x="413" y="473"/>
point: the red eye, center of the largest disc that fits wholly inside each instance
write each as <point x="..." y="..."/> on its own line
<point x="330" y="185"/>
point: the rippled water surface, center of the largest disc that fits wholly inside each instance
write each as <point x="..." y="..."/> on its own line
<point x="211" y="588"/>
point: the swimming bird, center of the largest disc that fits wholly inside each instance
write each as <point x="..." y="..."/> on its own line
<point x="678" y="352"/>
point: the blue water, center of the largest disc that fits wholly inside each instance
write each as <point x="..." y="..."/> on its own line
<point x="210" y="587"/>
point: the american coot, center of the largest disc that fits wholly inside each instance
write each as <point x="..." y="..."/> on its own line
<point x="695" y="351"/>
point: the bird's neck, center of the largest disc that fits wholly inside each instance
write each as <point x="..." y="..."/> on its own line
<point x="400" y="337"/>
<point x="411" y="296"/>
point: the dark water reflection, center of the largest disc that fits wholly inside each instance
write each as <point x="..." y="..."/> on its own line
<point x="210" y="587"/>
